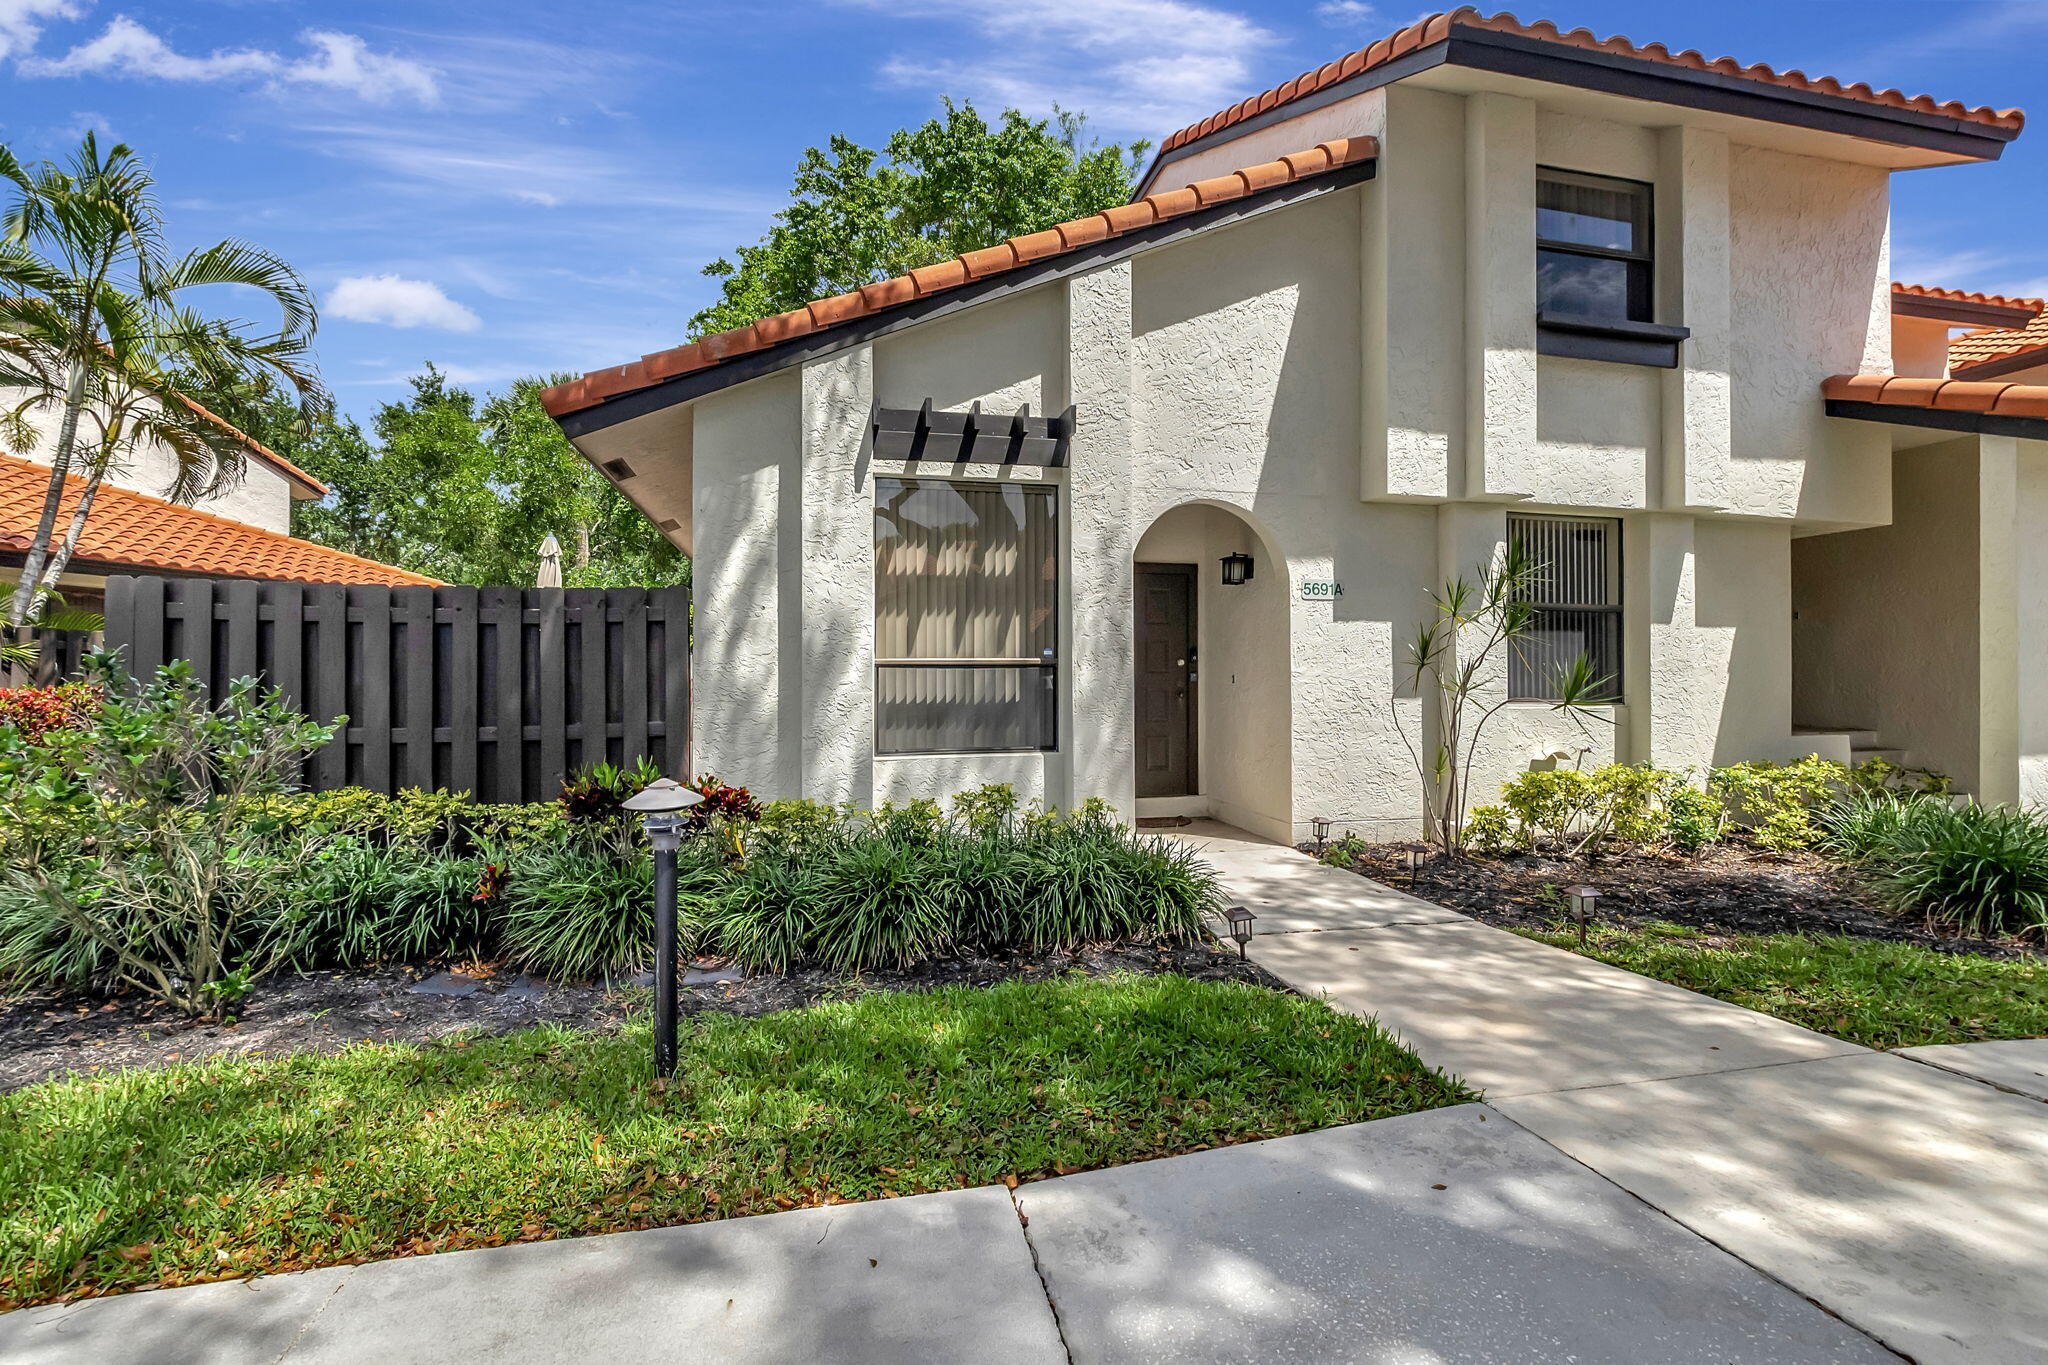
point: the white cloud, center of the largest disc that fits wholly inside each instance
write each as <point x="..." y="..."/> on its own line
<point x="1133" y="66"/>
<point x="398" y="302"/>
<point x="337" y="61"/>
<point x="1345" y="13"/>
<point x="21" y="22"/>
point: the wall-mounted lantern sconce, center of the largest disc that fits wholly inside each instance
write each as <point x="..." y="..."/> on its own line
<point x="1237" y="570"/>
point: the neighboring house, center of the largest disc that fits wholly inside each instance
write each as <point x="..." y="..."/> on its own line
<point x="1479" y="281"/>
<point x="242" y="532"/>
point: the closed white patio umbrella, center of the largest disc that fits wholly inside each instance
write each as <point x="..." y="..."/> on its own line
<point x="550" y="574"/>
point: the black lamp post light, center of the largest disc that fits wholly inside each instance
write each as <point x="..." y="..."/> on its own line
<point x="1237" y="570"/>
<point x="1321" y="824"/>
<point x="1240" y="926"/>
<point x="661" y="804"/>
<point x="1416" y="852"/>
<point x="1582" y="899"/>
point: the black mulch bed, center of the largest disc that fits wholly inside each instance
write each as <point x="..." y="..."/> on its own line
<point x="1727" y="887"/>
<point x="48" y="1033"/>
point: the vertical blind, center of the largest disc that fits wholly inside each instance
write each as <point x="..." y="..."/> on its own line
<point x="966" y="616"/>
<point x="1576" y="590"/>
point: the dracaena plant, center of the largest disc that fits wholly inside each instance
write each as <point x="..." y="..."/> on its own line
<point x="149" y="831"/>
<point x="1454" y="660"/>
<point x="97" y="341"/>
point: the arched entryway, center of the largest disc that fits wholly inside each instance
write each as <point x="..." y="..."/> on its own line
<point x="1213" y="706"/>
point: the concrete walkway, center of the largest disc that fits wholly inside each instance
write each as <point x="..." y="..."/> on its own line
<point x="1907" y="1192"/>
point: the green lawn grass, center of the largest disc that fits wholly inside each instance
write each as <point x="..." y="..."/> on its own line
<point x="1882" y="995"/>
<point x="225" y="1167"/>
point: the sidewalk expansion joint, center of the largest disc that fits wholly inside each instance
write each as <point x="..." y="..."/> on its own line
<point x="313" y="1317"/>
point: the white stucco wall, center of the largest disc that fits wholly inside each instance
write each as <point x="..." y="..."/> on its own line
<point x="2030" y="653"/>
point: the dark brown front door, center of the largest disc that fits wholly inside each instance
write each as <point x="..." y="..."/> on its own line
<point x="1166" y="679"/>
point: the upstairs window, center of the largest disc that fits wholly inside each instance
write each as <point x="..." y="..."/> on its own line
<point x="966" y="616"/>
<point x="1593" y="261"/>
<point x="1576" y="591"/>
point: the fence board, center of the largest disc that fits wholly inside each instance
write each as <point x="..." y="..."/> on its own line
<point x="497" y="691"/>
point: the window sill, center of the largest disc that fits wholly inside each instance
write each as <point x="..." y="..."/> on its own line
<point x="1654" y="344"/>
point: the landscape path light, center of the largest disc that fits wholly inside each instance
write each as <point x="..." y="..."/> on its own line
<point x="1582" y="898"/>
<point x="1240" y="926"/>
<point x="661" y="804"/>
<point x="1321" y="825"/>
<point x="1415" y="852"/>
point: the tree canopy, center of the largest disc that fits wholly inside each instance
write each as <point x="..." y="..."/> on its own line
<point x="954" y="185"/>
<point x="463" y="489"/>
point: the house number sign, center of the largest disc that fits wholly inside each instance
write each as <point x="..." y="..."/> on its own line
<point x="1320" y="590"/>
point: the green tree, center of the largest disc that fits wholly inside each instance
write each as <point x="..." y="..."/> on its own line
<point x="95" y="337"/>
<point x="461" y="488"/>
<point x="956" y="184"/>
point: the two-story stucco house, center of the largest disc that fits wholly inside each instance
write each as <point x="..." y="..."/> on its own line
<point x="1146" y="506"/>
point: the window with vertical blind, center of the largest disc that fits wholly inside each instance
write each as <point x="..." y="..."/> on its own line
<point x="1576" y="590"/>
<point x="966" y="616"/>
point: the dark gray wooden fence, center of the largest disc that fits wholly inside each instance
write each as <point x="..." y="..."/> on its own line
<point x="57" y="656"/>
<point x="496" y="691"/>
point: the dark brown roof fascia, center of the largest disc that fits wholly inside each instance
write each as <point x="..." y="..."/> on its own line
<point x="1944" y="419"/>
<point x="1960" y="312"/>
<point x="1511" y="54"/>
<point x="2031" y="359"/>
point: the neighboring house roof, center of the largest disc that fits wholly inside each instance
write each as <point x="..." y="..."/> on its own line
<point x="1960" y="307"/>
<point x="1062" y="240"/>
<point x="312" y="487"/>
<point x="1999" y="350"/>
<point x="1437" y="28"/>
<point x="127" y="529"/>
<point x="1952" y="404"/>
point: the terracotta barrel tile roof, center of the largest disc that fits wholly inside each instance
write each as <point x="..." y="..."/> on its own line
<point x="151" y="535"/>
<point x="2003" y="346"/>
<point x="261" y="451"/>
<point x="1928" y="291"/>
<point x="822" y="314"/>
<point x="1945" y="395"/>
<point x="1435" y="28"/>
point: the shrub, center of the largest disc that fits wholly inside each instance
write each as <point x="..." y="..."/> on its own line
<point x="1775" y="802"/>
<point x="799" y="821"/>
<point x="436" y="822"/>
<point x="1865" y="826"/>
<point x="1693" y="818"/>
<point x="36" y="712"/>
<point x="364" y="903"/>
<point x="164" y="795"/>
<point x="1982" y="869"/>
<point x="1632" y="804"/>
<point x="580" y="909"/>
<point x="1488" y="829"/>
<point x="594" y="795"/>
<point x="905" y="886"/>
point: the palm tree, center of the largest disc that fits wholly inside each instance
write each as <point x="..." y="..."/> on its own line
<point x="94" y="334"/>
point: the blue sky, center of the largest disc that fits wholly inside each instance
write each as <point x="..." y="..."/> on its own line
<point x="521" y="186"/>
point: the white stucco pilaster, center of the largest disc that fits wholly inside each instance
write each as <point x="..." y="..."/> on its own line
<point x="1500" y="292"/>
<point x="835" y="649"/>
<point x="1097" y="717"/>
<point x="1674" y="680"/>
<point x="1693" y="290"/>
<point x="1998" y="620"/>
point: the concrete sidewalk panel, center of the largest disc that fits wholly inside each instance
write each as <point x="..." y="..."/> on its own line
<point x="1292" y="893"/>
<point x="1513" y="1016"/>
<point x="1447" y="1236"/>
<point x="938" y="1277"/>
<point x="1912" y="1202"/>
<point x="2017" y="1064"/>
<point x="227" y="1323"/>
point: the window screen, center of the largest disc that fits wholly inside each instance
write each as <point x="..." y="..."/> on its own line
<point x="966" y="616"/>
<point x="1593" y="261"/>
<point x="1576" y="590"/>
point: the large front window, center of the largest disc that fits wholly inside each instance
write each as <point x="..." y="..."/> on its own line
<point x="966" y="616"/>
<point x="1576" y="593"/>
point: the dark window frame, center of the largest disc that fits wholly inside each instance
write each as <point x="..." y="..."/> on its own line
<point x="1047" y="665"/>
<point x="1641" y="262"/>
<point x="1615" y="692"/>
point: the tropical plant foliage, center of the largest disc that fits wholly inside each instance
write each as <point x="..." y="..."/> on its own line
<point x="954" y="184"/>
<point x="97" y="339"/>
